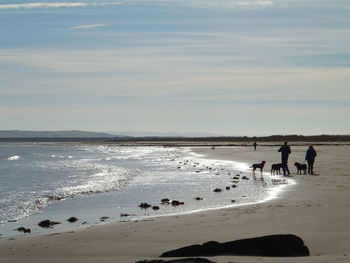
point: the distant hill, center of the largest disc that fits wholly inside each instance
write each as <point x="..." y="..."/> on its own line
<point x="53" y="134"/>
<point x="164" y="134"/>
<point x="145" y="138"/>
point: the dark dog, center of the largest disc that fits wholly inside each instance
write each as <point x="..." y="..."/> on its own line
<point x="300" y="167"/>
<point x="258" y="165"/>
<point x="276" y="167"/>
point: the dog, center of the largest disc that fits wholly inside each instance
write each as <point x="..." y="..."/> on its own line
<point x="258" y="165"/>
<point x="276" y="168"/>
<point x="300" y="167"/>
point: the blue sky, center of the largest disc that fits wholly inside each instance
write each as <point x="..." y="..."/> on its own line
<point x="231" y="67"/>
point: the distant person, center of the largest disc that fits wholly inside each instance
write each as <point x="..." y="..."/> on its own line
<point x="310" y="158"/>
<point x="255" y="144"/>
<point x="285" y="152"/>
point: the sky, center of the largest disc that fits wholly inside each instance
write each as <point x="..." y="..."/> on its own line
<point x="228" y="67"/>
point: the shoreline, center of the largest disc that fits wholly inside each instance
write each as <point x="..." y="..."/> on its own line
<point x="55" y="210"/>
<point x="317" y="210"/>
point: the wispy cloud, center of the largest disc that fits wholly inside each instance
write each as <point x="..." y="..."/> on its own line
<point x="169" y="3"/>
<point x="42" y="5"/>
<point x="211" y="3"/>
<point x="169" y="76"/>
<point x="88" y="26"/>
<point x="55" y="5"/>
<point x="254" y="3"/>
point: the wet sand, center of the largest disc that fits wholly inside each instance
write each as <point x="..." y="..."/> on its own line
<point x="316" y="209"/>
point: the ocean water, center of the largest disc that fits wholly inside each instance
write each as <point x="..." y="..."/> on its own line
<point x="101" y="183"/>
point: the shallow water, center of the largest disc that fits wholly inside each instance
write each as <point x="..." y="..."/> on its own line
<point x="56" y="182"/>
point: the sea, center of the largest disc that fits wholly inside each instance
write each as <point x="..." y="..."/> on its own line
<point x="100" y="184"/>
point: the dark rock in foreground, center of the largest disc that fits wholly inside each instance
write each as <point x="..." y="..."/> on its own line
<point x="165" y="201"/>
<point x="47" y="223"/>
<point x="176" y="203"/>
<point x="72" y="219"/>
<point x="124" y="215"/>
<point x="23" y="229"/>
<point x="144" y="205"/>
<point x="269" y="246"/>
<point x="184" y="260"/>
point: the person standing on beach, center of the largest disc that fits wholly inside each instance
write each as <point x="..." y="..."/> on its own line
<point x="285" y="151"/>
<point x="310" y="158"/>
<point x="255" y="144"/>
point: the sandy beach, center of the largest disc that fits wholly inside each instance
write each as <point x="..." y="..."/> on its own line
<point x="316" y="209"/>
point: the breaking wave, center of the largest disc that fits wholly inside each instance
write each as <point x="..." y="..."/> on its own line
<point x="14" y="158"/>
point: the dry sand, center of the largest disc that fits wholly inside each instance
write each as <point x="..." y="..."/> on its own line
<point x="316" y="209"/>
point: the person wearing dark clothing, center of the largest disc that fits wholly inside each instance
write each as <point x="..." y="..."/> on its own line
<point x="310" y="158"/>
<point x="255" y="144"/>
<point x="285" y="151"/>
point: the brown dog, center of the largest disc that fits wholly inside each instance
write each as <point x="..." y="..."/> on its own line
<point x="276" y="168"/>
<point x="300" y="167"/>
<point x="258" y="165"/>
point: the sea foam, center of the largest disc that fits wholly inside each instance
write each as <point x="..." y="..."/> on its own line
<point x="13" y="158"/>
